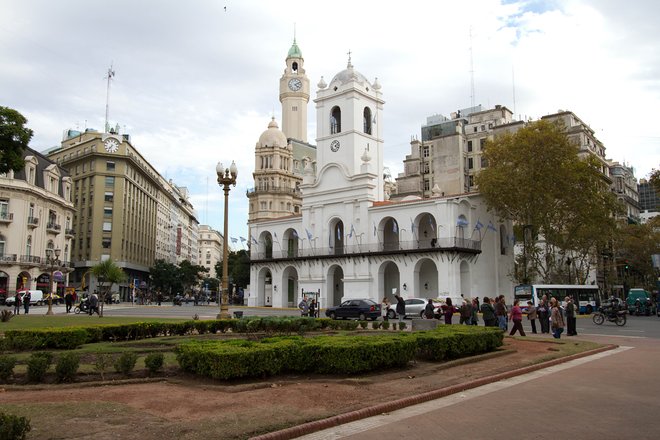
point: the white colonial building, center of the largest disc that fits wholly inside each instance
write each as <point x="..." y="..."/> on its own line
<point x="350" y="241"/>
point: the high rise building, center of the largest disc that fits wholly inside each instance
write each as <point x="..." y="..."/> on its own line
<point x="649" y="200"/>
<point x="126" y="210"/>
<point x="36" y="216"/>
<point x="210" y="248"/>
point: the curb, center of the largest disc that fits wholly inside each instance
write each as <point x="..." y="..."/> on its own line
<point x="340" y="419"/>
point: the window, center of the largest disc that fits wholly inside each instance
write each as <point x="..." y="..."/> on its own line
<point x="475" y="128"/>
<point x="4" y="209"/>
<point x="469" y="148"/>
<point x="109" y="196"/>
<point x="107" y="212"/>
<point x="2" y="245"/>
<point x="482" y="144"/>
<point x="335" y="120"/>
<point x="109" y="181"/>
<point x="106" y="243"/>
<point x="470" y="163"/>
<point x="294" y="108"/>
<point x="426" y="168"/>
<point x="427" y="184"/>
<point x="470" y="181"/>
<point x="366" y="120"/>
<point x="28" y="246"/>
<point x="107" y="226"/>
<point x="425" y="151"/>
<point x="110" y="166"/>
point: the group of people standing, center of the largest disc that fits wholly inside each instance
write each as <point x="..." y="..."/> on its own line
<point x="309" y="307"/>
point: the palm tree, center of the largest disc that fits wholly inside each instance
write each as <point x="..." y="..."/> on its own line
<point x="107" y="273"/>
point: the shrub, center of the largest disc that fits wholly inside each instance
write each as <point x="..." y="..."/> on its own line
<point x="67" y="367"/>
<point x="154" y="362"/>
<point x="363" y="324"/>
<point x="102" y="363"/>
<point x="6" y="315"/>
<point x="375" y="325"/>
<point x="13" y="427"/>
<point x="402" y="326"/>
<point x="37" y="365"/>
<point x="385" y="325"/>
<point x="125" y="363"/>
<point x="7" y="364"/>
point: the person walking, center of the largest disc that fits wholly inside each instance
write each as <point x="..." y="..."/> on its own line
<point x="304" y="308"/>
<point x="429" y="310"/>
<point x="544" y="315"/>
<point x="312" y="308"/>
<point x="448" y="310"/>
<point x="516" y="318"/>
<point x="26" y="302"/>
<point x="557" y="318"/>
<point x="385" y="308"/>
<point x="475" y="312"/>
<point x="571" y="317"/>
<point x="68" y="300"/>
<point x="500" y="312"/>
<point x="17" y="304"/>
<point x="400" y="307"/>
<point x="465" y="312"/>
<point x="94" y="304"/>
<point x="488" y="312"/>
<point x="532" y="315"/>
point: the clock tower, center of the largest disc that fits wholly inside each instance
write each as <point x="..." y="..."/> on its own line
<point x="294" y="95"/>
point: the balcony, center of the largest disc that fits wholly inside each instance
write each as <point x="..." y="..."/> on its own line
<point x="29" y="260"/>
<point x="274" y="190"/>
<point x="8" y="258"/>
<point x="6" y="217"/>
<point x="33" y="222"/>
<point x="70" y="233"/>
<point x="53" y="228"/>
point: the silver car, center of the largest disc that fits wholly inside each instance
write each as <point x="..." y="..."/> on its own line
<point x="414" y="307"/>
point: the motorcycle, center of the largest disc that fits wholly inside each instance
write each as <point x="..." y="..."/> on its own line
<point x="82" y="306"/>
<point x="616" y="316"/>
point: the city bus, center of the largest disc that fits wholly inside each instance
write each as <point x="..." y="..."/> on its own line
<point x="587" y="297"/>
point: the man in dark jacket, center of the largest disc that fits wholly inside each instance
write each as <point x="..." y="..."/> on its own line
<point x="400" y="307"/>
<point x="488" y="312"/>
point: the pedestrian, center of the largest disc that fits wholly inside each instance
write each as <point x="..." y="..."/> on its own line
<point x="448" y="310"/>
<point x="571" y="321"/>
<point x="26" y="302"/>
<point x="475" y="311"/>
<point x="400" y="307"/>
<point x="532" y="315"/>
<point x="500" y="312"/>
<point x="557" y="318"/>
<point x="17" y="304"/>
<point x="544" y="314"/>
<point x="429" y="310"/>
<point x="488" y="312"/>
<point x="94" y="304"/>
<point x="312" y="308"/>
<point x="159" y="297"/>
<point x="516" y="318"/>
<point x="385" y="308"/>
<point x="304" y="307"/>
<point x="68" y="300"/>
<point x="466" y="312"/>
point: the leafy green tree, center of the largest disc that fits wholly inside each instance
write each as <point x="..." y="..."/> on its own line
<point x="165" y="277"/>
<point x="107" y="273"/>
<point x="14" y="138"/>
<point x="191" y="274"/>
<point x="655" y="180"/>
<point x="535" y="178"/>
<point x="635" y="245"/>
<point x="238" y="267"/>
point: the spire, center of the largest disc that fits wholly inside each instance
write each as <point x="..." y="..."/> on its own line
<point x="294" y="52"/>
<point x="349" y="65"/>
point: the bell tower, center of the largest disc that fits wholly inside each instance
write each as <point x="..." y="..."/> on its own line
<point x="294" y="95"/>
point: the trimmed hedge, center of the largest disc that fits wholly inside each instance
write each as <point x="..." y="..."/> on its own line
<point x="331" y="354"/>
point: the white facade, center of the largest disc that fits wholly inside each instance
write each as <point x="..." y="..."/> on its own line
<point x="349" y="242"/>
<point x="210" y="248"/>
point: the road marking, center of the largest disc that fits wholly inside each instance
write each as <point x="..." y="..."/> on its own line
<point x="614" y="336"/>
<point x="358" y="426"/>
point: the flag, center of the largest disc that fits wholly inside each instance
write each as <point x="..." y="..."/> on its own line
<point x="491" y="226"/>
<point x="233" y="240"/>
<point x="338" y="233"/>
<point x="242" y="239"/>
<point x="461" y="221"/>
<point x="395" y="227"/>
<point x="412" y="225"/>
<point x="254" y="241"/>
<point x="275" y="235"/>
<point x="375" y="229"/>
<point x="478" y="226"/>
<point x="350" y="234"/>
<point x="295" y="234"/>
<point x="431" y="223"/>
<point x="309" y="234"/>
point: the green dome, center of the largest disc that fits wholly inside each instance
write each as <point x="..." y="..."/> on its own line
<point x="294" y="52"/>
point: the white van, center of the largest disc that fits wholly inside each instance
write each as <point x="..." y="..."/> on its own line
<point x="36" y="297"/>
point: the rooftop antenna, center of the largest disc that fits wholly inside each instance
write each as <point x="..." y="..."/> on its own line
<point x="109" y="76"/>
<point x="471" y="72"/>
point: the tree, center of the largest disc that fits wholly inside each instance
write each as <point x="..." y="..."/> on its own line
<point x="14" y="138"/>
<point x="190" y="274"/>
<point x="634" y="247"/>
<point x="238" y="267"/>
<point x="107" y="273"/>
<point x="535" y="178"/>
<point x="165" y="277"/>
<point x="655" y="180"/>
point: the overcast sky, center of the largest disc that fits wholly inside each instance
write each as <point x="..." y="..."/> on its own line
<point x="197" y="81"/>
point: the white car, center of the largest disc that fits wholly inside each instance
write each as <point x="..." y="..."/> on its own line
<point x="414" y="307"/>
<point x="36" y="297"/>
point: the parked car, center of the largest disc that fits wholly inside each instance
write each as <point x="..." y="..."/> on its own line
<point x="36" y="297"/>
<point x="414" y="307"/>
<point x="361" y="309"/>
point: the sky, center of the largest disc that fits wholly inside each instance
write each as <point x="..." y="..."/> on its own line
<point x="196" y="82"/>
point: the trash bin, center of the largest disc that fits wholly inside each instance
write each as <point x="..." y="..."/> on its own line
<point x="238" y="315"/>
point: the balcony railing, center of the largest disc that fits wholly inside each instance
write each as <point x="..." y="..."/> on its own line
<point x="274" y="189"/>
<point x="432" y="245"/>
<point x="69" y="232"/>
<point x="33" y="222"/>
<point x="53" y="227"/>
<point x="30" y="259"/>
<point x="8" y="258"/>
<point x="6" y="216"/>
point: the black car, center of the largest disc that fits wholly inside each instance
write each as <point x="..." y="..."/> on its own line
<point x="361" y="309"/>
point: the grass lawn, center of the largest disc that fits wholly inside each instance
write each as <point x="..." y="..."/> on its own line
<point x="23" y="322"/>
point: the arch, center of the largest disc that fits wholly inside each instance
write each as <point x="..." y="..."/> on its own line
<point x="336" y="240"/>
<point x="335" y="285"/>
<point x="390" y="228"/>
<point x="335" y="120"/>
<point x="389" y="278"/>
<point x="292" y="241"/>
<point x="461" y="224"/>
<point x="264" y="287"/>
<point x="366" y="120"/>
<point x="466" y="284"/>
<point x="50" y="245"/>
<point x="426" y="279"/>
<point x="425" y="228"/>
<point x="294" y="67"/>
<point x="265" y="245"/>
<point x="289" y="287"/>
<point x="23" y="280"/>
<point x="4" y="284"/>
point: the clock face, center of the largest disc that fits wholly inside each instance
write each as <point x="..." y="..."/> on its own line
<point x="111" y="145"/>
<point x="334" y="145"/>
<point x="295" y="84"/>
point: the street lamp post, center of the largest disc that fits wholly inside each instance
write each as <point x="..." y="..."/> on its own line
<point x="226" y="177"/>
<point x="52" y="264"/>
